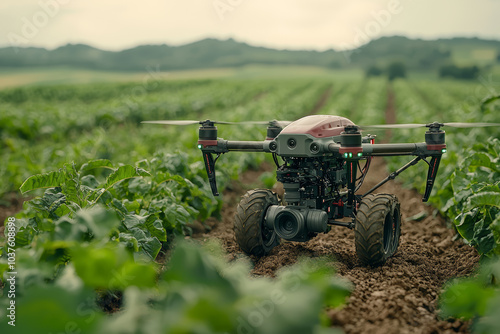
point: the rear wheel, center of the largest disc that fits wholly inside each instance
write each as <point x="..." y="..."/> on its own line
<point x="251" y="234"/>
<point x="378" y="228"/>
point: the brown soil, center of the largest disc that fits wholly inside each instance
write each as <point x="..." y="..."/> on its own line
<point x="15" y="204"/>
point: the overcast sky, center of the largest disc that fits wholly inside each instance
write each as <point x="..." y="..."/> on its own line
<point x="291" y="24"/>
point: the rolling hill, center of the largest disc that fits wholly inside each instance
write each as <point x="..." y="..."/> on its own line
<point x="213" y="53"/>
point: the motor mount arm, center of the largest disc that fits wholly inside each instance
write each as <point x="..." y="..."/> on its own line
<point x="433" y="147"/>
<point x="245" y="146"/>
<point x="223" y="146"/>
<point x="420" y="149"/>
<point x="209" y="147"/>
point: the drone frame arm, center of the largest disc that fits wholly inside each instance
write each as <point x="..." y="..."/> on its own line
<point x="224" y="146"/>
<point x="245" y="146"/>
<point x="383" y="149"/>
<point x="431" y="175"/>
<point x="420" y="150"/>
<point x="220" y="146"/>
<point x="393" y="175"/>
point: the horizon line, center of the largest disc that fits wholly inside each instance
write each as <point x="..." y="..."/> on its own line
<point x="250" y="44"/>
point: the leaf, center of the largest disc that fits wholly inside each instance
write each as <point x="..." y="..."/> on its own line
<point x="485" y="187"/>
<point x="491" y="321"/>
<point x="122" y="173"/>
<point x="132" y="206"/>
<point x="483" y="237"/>
<point x="68" y="230"/>
<point x="119" y="206"/>
<point x="111" y="268"/>
<point x="71" y="189"/>
<point x="319" y="274"/>
<point x="93" y="164"/>
<point x="139" y="186"/>
<point x="4" y="267"/>
<point x="99" y="221"/>
<point x="488" y="198"/>
<point x="162" y="177"/>
<point x="130" y="241"/>
<point x="46" y="180"/>
<point x="49" y="203"/>
<point x="137" y="316"/>
<point x="480" y="159"/>
<point x="53" y="309"/>
<point x="190" y="265"/>
<point x="132" y="220"/>
<point x="488" y="100"/>
<point x="156" y="228"/>
<point x="466" y="225"/>
<point x="150" y="245"/>
<point x="465" y="299"/>
<point x="495" y="227"/>
<point x="417" y="217"/>
<point x="27" y="229"/>
<point x="90" y="181"/>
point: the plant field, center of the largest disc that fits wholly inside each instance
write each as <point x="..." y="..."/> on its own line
<point x="98" y="245"/>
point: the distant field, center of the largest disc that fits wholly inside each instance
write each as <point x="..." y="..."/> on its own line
<point x="10" y="77"/>
<point x="14" y="77"/>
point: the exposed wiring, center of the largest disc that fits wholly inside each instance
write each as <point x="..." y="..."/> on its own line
<point x="363" y="171"/>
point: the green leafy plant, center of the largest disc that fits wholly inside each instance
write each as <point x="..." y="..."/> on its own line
<point x="476" y="197"/>
<point x="476" y="298"/>
<point x="150" y="206"/>
<point x="197" y="292"/>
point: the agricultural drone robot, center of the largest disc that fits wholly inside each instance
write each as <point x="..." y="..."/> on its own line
<point x="321" y="157"/>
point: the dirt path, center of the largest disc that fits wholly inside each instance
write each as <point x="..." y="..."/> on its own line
<point x="390" y="111"/>
<point x="399" y="297"/>
<point x="322" y="100"/>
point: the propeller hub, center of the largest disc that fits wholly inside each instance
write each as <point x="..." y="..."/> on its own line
<point x="350" y="140"/>
<point x="207" y="131"/>
<point x="435" y="126"/>
<point x="207" y="123"/>
<point x="351" y="129"/>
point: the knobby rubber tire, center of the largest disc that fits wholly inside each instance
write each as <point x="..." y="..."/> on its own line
<point x="253" y="237"/>
<point x="377" y="229"/>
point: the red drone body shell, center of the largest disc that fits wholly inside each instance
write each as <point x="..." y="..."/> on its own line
<point x="318" y="126"/>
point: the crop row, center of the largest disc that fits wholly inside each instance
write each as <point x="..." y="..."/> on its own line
<point x="467" y="189"/>
<point x="470" y="166"/>
<point x="40" y="134"/>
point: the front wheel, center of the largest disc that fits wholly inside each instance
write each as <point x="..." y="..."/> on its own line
<point x="251" y="234"/>
<point x="378" y="227"/>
